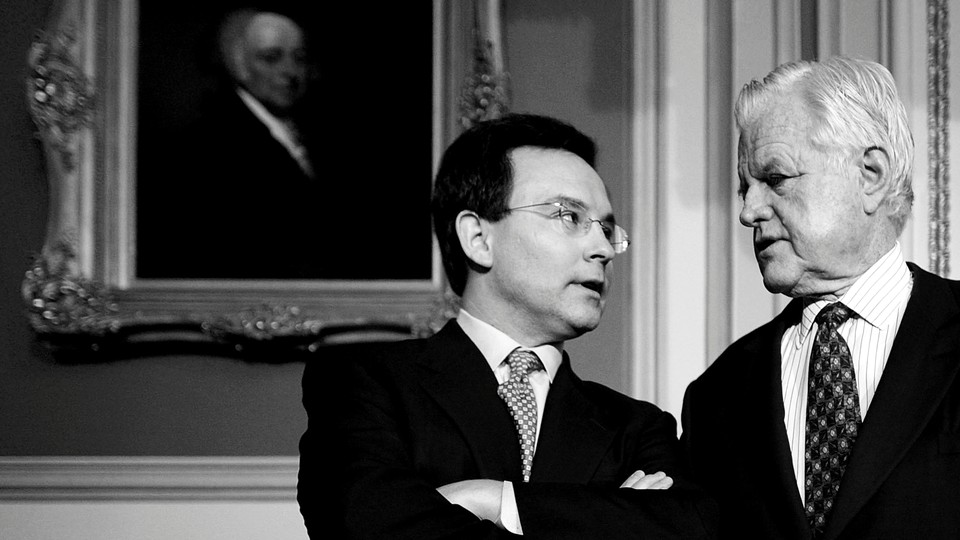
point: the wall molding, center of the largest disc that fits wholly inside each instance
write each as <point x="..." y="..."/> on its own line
<point x="135" y="478"/>
<point x="645" y="155"/>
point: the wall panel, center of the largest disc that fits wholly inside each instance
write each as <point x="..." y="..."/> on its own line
<point x="682" y="202"/>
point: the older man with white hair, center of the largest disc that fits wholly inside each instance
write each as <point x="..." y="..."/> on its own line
<point x="265" y="53"/>
<point x="247" y="186"/>
<point x="841" y="417"/>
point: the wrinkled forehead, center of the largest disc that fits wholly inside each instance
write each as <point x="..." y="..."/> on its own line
<point x="268" y="30"/>
<point x="783" y="121"/>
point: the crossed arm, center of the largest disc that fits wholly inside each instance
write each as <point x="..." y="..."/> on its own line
<point x="483" y="497"/>
<point x="385" y="486"/>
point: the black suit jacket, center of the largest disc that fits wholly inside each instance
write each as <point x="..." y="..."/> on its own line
<point x="410" y="417"/>
<point x="903" y="477"/>
<point x="231" y="202"/>
<point x="224" y="199"/>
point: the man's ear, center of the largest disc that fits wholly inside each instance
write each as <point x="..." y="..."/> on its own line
<point x="474" y="234"/>
<point x="875" y="178"/>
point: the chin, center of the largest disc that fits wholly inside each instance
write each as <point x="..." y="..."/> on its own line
<point x="778" y="278"/>
<point x="582" y="325"/>
<point x="778" y="286"/>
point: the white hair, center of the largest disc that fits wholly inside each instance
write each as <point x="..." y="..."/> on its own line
<point x="856" y="106"/>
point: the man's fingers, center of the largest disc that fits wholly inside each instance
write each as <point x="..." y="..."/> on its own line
<point x="665" y="483"/>
<point x="657" y="480"/>
<point x="628" y="483"/>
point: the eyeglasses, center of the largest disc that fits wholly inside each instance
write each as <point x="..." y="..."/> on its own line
<point x="574" y="222"/>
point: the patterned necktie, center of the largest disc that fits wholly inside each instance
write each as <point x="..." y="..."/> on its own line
<point x="833" y="415"/>
<point x="518" y="394"/>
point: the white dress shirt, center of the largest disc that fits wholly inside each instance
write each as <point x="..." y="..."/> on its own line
<point x="495" y="347"/>
<point x="284" y="132"/>
<point x="879" y="298"/>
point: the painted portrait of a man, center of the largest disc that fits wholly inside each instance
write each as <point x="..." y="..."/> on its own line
<point x="264" y="152"/>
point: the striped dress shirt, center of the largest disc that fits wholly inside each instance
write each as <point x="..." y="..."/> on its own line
<point x="879" y="298"/>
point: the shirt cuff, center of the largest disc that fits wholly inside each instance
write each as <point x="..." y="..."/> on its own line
<point x="509" y="515"/>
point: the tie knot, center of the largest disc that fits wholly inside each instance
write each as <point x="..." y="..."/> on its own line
<point x="833" y="315"/>
<point x="523" y="362"/>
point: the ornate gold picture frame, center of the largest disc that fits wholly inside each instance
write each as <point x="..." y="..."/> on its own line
<point x="84" y="293"/>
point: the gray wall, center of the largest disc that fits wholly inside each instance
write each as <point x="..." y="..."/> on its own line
<point x="571" y="59"/>
<point x="568" y="59"/>
<point x="171" y="405"/>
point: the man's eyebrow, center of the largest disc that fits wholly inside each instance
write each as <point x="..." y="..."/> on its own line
<point x="569" y="201"/>
<point x="774" y="164"/>
<point x="580" y="205"/>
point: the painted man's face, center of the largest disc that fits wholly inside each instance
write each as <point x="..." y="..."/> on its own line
<point x="273" y="67"/>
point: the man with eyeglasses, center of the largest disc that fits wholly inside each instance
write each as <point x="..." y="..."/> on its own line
<point x="483" y="430"/>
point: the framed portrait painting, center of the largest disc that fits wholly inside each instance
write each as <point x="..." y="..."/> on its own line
<point x="264" y="171"/>
<point x="221" y="195"/>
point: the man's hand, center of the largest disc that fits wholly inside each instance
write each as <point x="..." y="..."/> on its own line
<point x="480" y="497"/>
<point x="639" y="480"/>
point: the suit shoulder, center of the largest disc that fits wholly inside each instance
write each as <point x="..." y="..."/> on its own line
<point x="742" y="354"/>
<point x="618" y="403"/>
<point x="370" y="349"/>
<point x="368" y="355"/>
<point x="919" y="274"/>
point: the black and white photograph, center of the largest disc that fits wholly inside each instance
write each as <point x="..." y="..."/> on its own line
<point x="479" y="269"/>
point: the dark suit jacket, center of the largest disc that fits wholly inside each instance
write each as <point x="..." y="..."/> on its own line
<point x="903" y="478"/>
<point x="409" y="417"/>
<point x="230" y="202"/>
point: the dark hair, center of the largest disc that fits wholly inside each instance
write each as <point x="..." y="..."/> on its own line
<point x="476" y="174"/>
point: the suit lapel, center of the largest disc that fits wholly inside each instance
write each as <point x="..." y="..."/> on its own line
<point x="766" y="440"/>
<point x="269" y="148"/>
<point x="921" y="366"/>
<point x="458" y="378"/>
<point x="575" y="434"/>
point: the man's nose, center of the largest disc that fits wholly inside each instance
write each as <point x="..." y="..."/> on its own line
<point x="755" y="206"/>
<point x="600" y="246"/>
<point x="290" y="66"/>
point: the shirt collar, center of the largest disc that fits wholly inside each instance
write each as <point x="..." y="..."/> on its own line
<point x="495" y="345"/>
<point x="873" y="297"/>
<point x="278" y="128"/>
